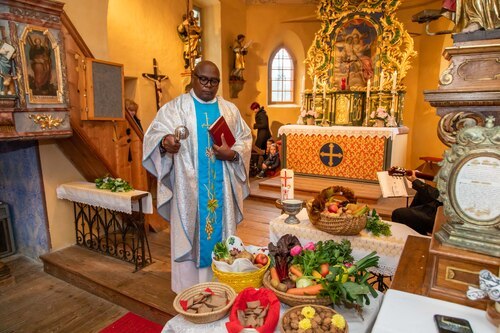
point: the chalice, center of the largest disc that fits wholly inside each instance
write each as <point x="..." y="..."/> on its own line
<point x="292" y="207"/>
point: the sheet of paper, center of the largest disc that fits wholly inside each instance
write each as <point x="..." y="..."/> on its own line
<point x="392" y="186"/>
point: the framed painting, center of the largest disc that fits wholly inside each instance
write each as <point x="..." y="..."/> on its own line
<point x="41" y="63"/>
<point x="355" y="53"/>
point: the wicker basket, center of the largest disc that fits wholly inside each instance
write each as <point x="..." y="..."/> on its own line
<point x="203" y="318"/>
<point x="336" y="225"/>
<point x="240" y="281"/>
<point x="294" y="300"/>
<point x="287" y="313"/>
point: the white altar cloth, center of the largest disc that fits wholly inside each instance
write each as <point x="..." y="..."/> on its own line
<point x="88" y="193"/>
<point x="388" y="248"/>
<point x="409" y="313"/>
<point x="356" y="325"/>
<point x="355" y="131"/>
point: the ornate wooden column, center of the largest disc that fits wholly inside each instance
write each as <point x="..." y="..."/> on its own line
<point x="469" y="89"/>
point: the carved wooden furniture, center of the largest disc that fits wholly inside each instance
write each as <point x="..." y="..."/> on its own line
<point x="34" y="95"/>
<point x="451" y="270"/>
<point x="469" y="89"/>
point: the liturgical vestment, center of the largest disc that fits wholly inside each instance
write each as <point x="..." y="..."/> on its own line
<point x="179" y="183"/>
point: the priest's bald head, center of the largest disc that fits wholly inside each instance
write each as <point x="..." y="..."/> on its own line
<point x="205" y="80"/>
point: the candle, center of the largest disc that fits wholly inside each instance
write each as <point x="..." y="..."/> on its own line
<point x="381" y="79"/>
<point x="286" y="176"/>
<point x="324" y="92"/>
<point x="303" y="85"/>
<point x="368" y="87"/>
<point x="315" y="80"/>
<point x="394" y="80"/>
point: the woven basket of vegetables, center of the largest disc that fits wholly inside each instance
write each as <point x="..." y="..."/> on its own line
<point x="319" y="273"/>
<point x="336" y="212"/>
<point x="294" y="300"/>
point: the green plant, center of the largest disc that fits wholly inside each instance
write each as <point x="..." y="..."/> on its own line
<point x="113" y="184"/>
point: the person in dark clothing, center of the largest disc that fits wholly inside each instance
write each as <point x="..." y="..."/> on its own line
<point x="261" y="125"/>
<point x="422" y="211"/>
<point x="272" y="161"/>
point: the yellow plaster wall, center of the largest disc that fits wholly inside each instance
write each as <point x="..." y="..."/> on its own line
<point x="57" y="170"/>
<point x="272" y="26"/>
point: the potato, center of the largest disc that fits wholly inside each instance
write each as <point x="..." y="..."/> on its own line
<point x="282" y="287"/>
<point x="295" y="324"/>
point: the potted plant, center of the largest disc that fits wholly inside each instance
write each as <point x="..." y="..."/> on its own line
<point x="380" y="116"/>
<point x="308" y="116"/>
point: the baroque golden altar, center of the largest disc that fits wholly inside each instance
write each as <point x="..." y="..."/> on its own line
<point x="357" y="62"/>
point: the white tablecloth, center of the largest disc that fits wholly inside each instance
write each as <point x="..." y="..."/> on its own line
<point x="88" y="193"/>
<point x="388" y="248"/>
<point x="356" y="325"/>
<point x="356" y="131"/>
<point x="409" y="313"/>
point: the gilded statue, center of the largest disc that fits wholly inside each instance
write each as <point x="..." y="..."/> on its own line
<point x="190" y="33"/>
<point x="472" y="15"/>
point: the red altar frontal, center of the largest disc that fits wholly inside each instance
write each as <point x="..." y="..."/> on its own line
<point x="346" y="152"/>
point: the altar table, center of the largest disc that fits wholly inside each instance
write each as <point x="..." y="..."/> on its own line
<point x="356" y="325"/>
<point x="111" y="223"/>
<point x="388" y="248"/>
<point x="347" y="152"/>
<point x="410" y="313"/>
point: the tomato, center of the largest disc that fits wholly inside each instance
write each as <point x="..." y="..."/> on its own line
<point x="261" y="258"/>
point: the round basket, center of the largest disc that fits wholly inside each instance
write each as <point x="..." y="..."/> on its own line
<point x="294" y="300"/>
<point x="240" y="281"/>
<point x="316" y="307"/>
<point x="346" y="226"/>
<point x="203" y="318"/>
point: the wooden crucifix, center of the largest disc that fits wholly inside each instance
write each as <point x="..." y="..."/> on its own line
<point x="156" y="78"/>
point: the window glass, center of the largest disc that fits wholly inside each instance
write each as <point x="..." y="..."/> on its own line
<point x="282" y="74"/>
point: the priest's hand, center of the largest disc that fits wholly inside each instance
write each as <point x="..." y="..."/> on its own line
<point x="170" y="145"/>
<point x="224" y="152"/>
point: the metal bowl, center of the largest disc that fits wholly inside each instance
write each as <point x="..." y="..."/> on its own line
<point x="292" y="207"/>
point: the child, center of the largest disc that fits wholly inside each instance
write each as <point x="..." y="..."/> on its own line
<point x="272" y="161"/>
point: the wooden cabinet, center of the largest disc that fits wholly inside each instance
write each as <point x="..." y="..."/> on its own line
<point x="33" y="86"/>
<point x="451" y="270"/>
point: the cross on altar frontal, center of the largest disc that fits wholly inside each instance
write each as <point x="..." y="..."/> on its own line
<point x="156" y="78"/>
<point x="335" y="152"/>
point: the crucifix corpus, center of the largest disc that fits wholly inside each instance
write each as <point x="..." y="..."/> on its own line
<point x="156" y="78"/>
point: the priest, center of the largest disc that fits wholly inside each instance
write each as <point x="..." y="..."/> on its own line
<point x="201" y="186"/>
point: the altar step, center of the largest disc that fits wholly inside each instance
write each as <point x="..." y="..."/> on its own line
<point x="145" y="292"/>
<point x="306" y="187"/>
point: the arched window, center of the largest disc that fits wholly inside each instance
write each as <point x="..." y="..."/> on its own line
<point x="281" y="77"/>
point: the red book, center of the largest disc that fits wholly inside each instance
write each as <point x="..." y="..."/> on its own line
<point x="218" y="128"/>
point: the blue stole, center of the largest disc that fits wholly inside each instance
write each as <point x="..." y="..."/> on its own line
<point x="210" y="183"/>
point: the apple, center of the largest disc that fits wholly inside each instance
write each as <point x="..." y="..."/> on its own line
<point x="261" y="259"/>
<point x="333" y="208"/>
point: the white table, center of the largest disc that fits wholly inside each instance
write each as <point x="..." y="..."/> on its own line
<point x="111" y="223"/>
<point x="410" y="313"/>
<point x="356" y="325"/>
<point x="388" y="248"/>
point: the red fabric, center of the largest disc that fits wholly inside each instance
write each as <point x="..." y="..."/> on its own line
<point x="265" y="296"/>
<point x="254" y="106"/>
<point x="132" y="323"/>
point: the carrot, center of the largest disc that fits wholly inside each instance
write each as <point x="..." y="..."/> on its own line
<point x="274" y="274"/>
<point x="295" y="271"/>
<point x="311" y="290"/>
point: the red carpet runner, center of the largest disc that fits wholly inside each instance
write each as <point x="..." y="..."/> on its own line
<point x="132" y="323"/>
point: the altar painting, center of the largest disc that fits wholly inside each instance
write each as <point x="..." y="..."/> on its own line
<point x="355" y="53"/>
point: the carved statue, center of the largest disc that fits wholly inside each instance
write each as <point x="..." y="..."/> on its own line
<point x="240" y="50"/>
<point x="472" y="15"/>
<point x="190" y="33"/>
